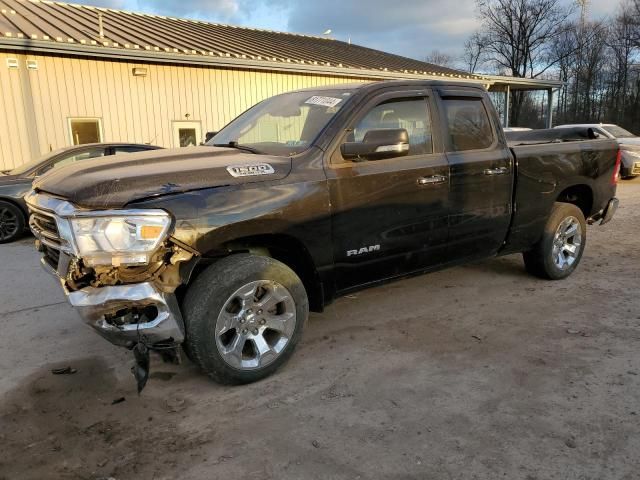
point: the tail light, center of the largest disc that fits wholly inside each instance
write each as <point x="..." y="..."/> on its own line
<point x="616" y="169"/>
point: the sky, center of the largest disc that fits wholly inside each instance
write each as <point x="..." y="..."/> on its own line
<point x="412" y="28"/>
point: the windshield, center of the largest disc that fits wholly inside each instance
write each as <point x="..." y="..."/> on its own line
<point x="25" y="168"/>
<point x="618" y="132"/>
<point x="283" y="125"/>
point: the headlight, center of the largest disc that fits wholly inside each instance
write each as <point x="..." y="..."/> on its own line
<point x="127" y="239"/>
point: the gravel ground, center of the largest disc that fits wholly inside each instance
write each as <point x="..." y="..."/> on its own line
<point x="475" y="372"/>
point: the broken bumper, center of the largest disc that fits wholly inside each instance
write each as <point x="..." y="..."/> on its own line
<point x="610" y="211"/>
<point x="129" y="314"/>
<point x="606" y="214"/>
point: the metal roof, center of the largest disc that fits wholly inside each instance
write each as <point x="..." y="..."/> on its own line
<point x="67" y="28"/>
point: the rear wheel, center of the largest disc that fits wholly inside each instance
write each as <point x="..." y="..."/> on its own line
<point x="244" y="316"/>
<point x="12" y="222"/>
<point x="560" y="249"/>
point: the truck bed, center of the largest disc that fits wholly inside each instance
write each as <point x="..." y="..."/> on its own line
<point x="545" y="168"/>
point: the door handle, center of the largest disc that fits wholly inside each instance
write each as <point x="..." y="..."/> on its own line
<point x="496" y="171"/>
<point x="432" y="180"/>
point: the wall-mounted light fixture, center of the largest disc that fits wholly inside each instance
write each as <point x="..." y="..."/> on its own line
<point x="32" y="64"/>
<point x="12" y="63"/>
<point x="139" y="72"/>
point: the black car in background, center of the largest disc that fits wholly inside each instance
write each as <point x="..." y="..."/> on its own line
<point x="14" y="184"/>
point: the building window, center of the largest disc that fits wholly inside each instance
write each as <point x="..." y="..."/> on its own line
<point x="85" y="130"/>
<point x="187" y="134"/>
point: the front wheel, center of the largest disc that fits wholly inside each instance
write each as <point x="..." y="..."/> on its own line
<point x="243" y="317"/>
<point x="560" y="249"/>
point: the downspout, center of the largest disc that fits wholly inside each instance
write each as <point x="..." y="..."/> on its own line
<point x="550" y="108"/>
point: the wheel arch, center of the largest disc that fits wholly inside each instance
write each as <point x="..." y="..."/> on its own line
<point x="580" y="195"/>
<point x="16" y="204"/>
<point x="282" y="247"/>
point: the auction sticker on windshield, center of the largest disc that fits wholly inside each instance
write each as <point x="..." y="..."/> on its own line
<point x="323" y="101"/>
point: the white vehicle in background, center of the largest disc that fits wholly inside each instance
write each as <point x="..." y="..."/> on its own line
<point x="629" y="145"/>
<point x="516" y="129"/>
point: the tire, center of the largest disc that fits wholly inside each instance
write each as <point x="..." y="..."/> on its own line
<point x="228" y="334"/>
<point x="553" y="257"/>
<point x="12" y="222"/>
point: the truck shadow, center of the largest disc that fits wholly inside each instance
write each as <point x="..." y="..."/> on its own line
<point x="89" y="424"/>
<point x="511" y="265"/>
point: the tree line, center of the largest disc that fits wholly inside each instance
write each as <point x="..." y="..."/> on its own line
<point x="599" y="61"/>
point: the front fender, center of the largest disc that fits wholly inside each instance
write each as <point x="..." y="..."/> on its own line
<point x="208" y="219"/>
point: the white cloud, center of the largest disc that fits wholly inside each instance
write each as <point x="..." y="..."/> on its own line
<point x="220" y="9"/>
<point x="117" y="4"/>
<point x="406" y="27"/>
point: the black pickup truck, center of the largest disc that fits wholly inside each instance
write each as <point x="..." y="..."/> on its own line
<point x="225" y="248"/>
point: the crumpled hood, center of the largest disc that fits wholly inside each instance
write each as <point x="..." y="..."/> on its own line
<point x="115" y="181"/>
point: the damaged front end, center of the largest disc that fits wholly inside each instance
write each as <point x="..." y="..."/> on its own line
<point x="119" y="269"/>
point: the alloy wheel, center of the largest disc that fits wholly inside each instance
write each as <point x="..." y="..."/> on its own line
<point x="255" y="325"/>
<point x="566" y="243"/>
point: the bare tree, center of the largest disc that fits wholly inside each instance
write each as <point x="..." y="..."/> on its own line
<point x="598" y="62"/>
<point x="474" y="52"/>
<point x="622" y="42"/>
<point x="519" y="37"/>
<point x="519" y="33"/>
<point x="440" y="58"/>
<point x="565" y="48"/>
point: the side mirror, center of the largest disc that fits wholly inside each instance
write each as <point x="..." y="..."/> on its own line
<point x="378" y="144"/>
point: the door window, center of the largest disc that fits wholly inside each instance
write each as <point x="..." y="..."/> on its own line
<point x="411" y="114"/>
<point x="468" y="123"/>
<point x="85" y="130"/>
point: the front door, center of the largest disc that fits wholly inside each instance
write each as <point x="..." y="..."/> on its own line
<point x="187" y="134"/>
<point x="389" y="217"/>
<point x="481" y="169"/>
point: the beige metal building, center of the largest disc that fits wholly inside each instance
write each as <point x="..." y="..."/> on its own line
<point x="73" y="74"/>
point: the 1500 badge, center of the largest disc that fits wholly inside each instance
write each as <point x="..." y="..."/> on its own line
<point x="250" y="170"/>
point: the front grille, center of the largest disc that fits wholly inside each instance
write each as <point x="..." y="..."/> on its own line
<point x="44" y="227"/>
<point x="636" y="169"/>
<point x="51" y="256"/>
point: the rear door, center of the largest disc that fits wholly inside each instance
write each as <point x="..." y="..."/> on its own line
<point x="481" y="175"/>
<point x="389" y="216"/>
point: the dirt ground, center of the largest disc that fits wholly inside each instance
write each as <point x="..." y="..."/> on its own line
<point x="478" y="372"/>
